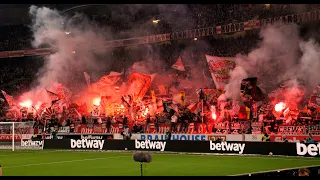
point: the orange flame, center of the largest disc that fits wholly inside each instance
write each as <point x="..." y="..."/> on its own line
<point x="96" y="101"/>
<point x="26" y="103"/>
<point x="37" y="106"/>
<point x="214" y="116"/>
<point x="280" y="106"/>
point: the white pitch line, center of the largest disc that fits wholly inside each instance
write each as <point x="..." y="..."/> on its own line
<point x="59" y="162"/>
<point x="265" y="157"/>
<point x="311" y="159"/>
<point x="257" y="172"/>
<point x="28" y="152"/>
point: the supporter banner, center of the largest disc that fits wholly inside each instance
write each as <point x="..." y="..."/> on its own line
<point x="219" y="68"/>
<point x="226" y="127"/>
<point x="65" y="129"/>
<point x="225" y="147"/>
<point x="291" y="138"/>
<point x="79" y="136"/>
<point x="296" y="18"/>
<point x="16" y="53"/>
<point x="314" y="102"/>
<point x="8" y="137"/>
<point x="292" y="130"/>
<point x="230" y="28"/>
<point x="192" y="128"/>
<point x="256" y="127"/>
<point x="314" y="129"/>
<point x="98" y="128"/>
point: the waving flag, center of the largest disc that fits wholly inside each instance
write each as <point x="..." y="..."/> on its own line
<point x="63" y="92"/>
<point x="219" y="68"/>
<point x="49" y="113"/>
<point x="106" y="81"/>
<point x="182" y="98"/>
<point x="8" y="98"/>
<point x="53" y="96"/>
<point x="87" y="77"/>
<point x="138" y="84"/>
<point x="162" y="89"/>
<point x="153" y="96"/>
<point x="178" y="65"/>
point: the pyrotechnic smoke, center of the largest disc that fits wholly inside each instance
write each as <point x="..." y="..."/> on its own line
<point x="281" y="56"/>
<point x="72" y="39"/>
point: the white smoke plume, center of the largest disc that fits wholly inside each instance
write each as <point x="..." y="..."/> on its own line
<point x="281" y="56"/>
<point x="73" y="40"/>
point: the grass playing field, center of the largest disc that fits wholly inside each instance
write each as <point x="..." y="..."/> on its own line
<point x="68" y="163"/>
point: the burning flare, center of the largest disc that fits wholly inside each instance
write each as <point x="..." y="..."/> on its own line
<point x="213" y="112"/>
<point x="96" y="101"/>
<point x="214" y="116"/>
<point x="26" y="103"/>
<point x="280" y="107"/>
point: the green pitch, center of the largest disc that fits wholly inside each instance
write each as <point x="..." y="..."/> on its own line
<point x="68" y="163"/>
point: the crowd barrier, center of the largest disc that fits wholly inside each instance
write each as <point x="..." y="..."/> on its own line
<point x="223" y="147"/>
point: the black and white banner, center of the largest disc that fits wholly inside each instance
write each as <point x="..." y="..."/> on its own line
<point x="64" y="129"/>
<point x="292" y="130"/>
<point x="314" y="129"/>
<point x="80" y="136"/>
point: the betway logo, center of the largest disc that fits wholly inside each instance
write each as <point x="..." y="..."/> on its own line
<point x="91" y="137"/>
<point x="225" y="146"/>
<point x="158" y="145"/>
<point x="87" y="144"/>
<point x="311" y="149"/>
<point x="30" y="143"/>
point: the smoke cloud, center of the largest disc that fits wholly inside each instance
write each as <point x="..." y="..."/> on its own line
<point x="281" y="57"/>
<point x="76" y="41"/>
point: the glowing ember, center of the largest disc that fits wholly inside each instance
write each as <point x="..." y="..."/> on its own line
<point x="214" y="116"/>
<point x="96" y="101"/>
<point x="213" y="112"/>
<point x="280" y="106"/>
<point x="26" y="103"/>
<point x="37" y="106"/>
<point x="145" y="112"/>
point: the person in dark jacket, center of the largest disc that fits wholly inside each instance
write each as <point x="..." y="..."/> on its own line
<point x="168" y="135"/>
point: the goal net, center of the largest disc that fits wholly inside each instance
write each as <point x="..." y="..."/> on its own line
<point x="18" y="135"/>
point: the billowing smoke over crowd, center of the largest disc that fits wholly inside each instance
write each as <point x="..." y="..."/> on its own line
<point x="77" y="43"/>
<point x="281" y="57"/>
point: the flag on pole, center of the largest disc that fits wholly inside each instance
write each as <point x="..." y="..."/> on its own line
<point x="8" y="98"/>
<point x="53" y="96"/>
<point x="178" y="65"/>
<point x="87" y="77"/>
<point x="182" y="98"/>
<point x="153" y="95"/>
